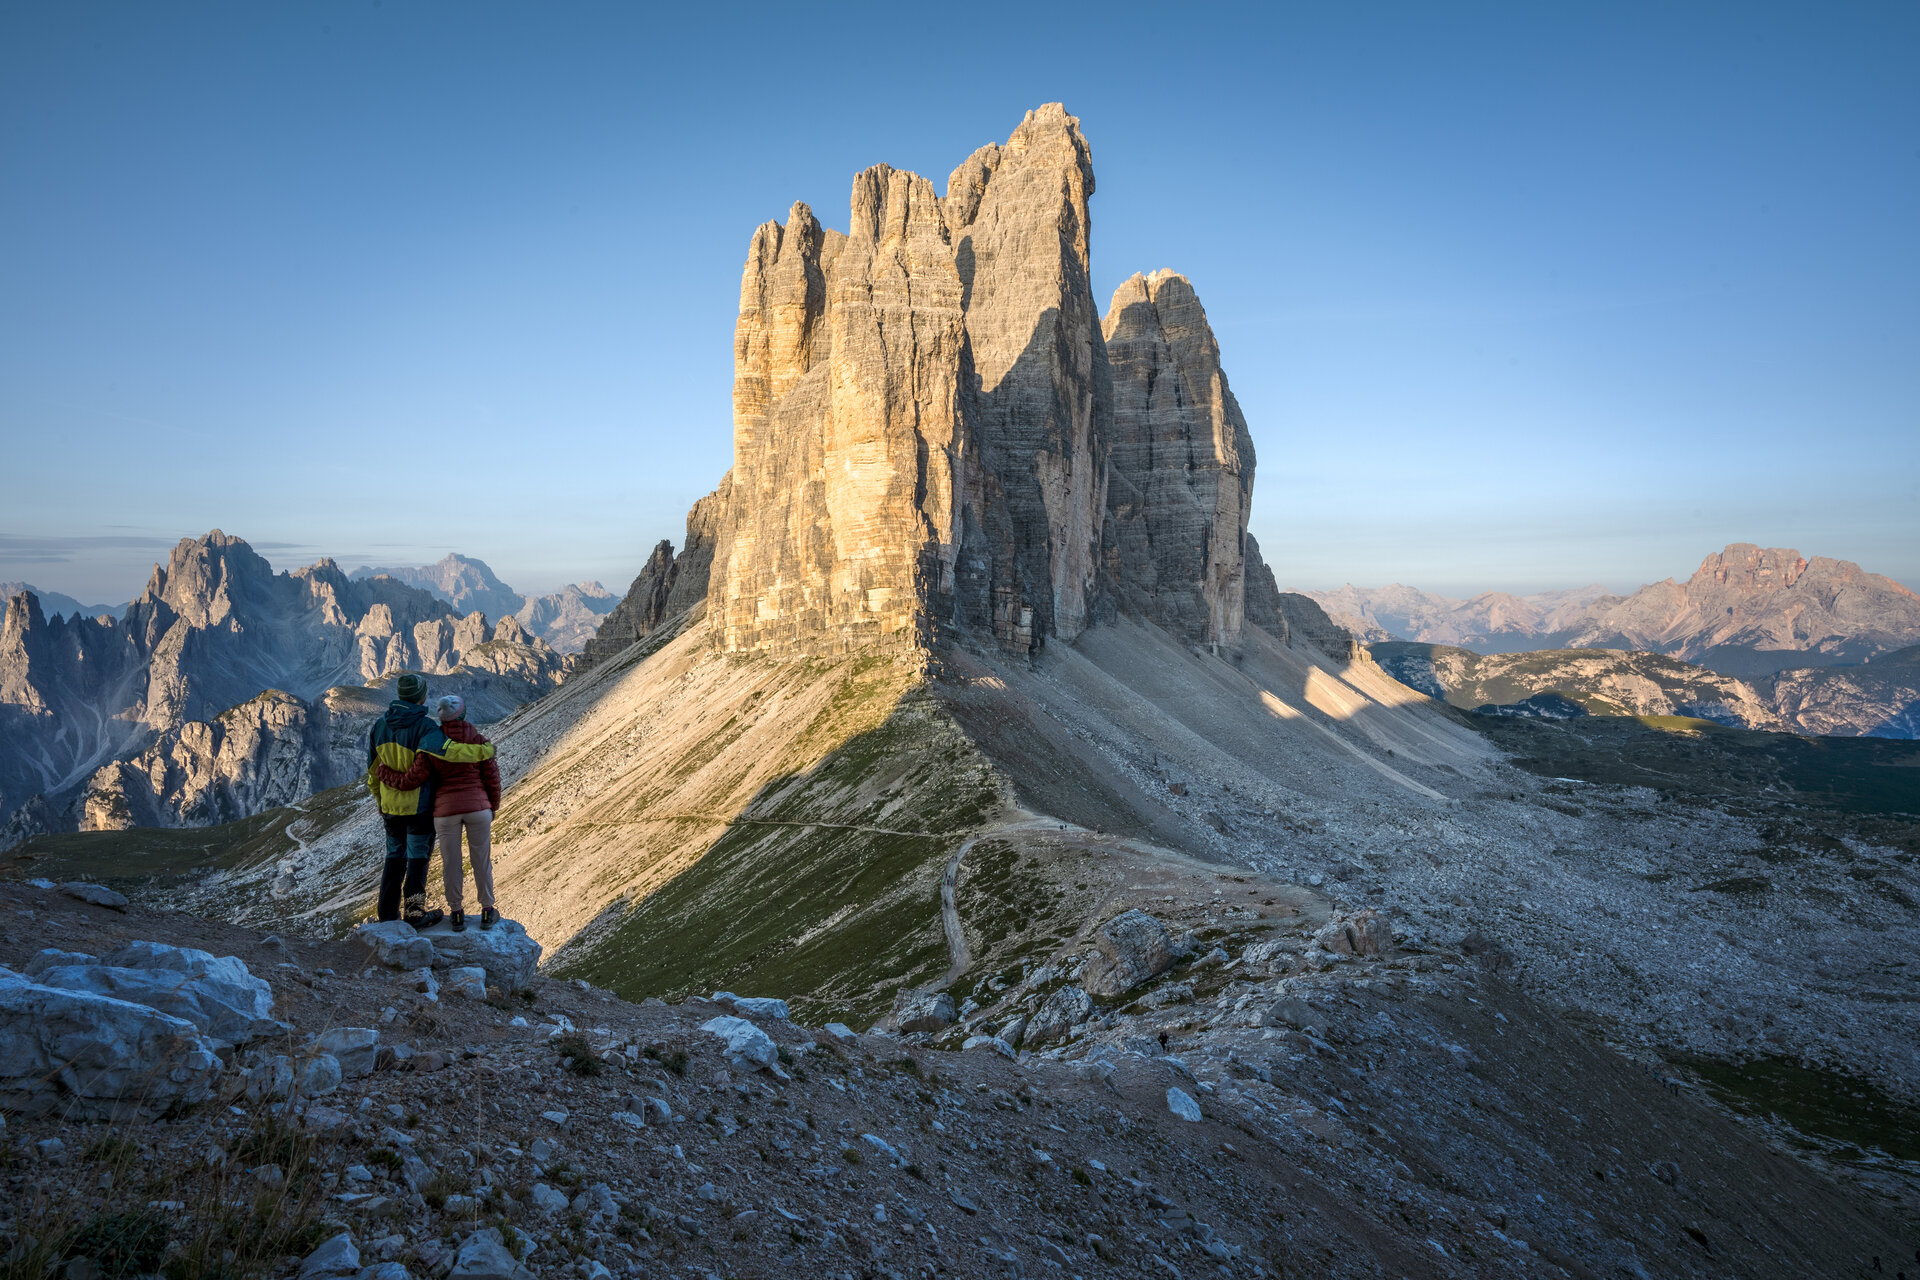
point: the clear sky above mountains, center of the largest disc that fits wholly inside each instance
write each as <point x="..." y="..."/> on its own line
<point x="1512" y="296"/>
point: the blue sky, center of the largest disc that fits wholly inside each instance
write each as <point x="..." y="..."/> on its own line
<point x="1513" y="296"/>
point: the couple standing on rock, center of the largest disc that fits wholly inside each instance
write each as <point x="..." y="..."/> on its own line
<point x="432" y="779"/>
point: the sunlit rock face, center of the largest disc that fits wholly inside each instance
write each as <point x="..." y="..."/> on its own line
<point x="1182" y="463"/>
<point x="927" y="437"/>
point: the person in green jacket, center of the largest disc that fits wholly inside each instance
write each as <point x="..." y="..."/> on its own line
<point x="406" y="730"/>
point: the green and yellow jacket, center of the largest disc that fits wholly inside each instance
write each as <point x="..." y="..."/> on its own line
<point x="396" y="738"/>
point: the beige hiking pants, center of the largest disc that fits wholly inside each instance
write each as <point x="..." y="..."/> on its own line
<point x="479" y="828"/>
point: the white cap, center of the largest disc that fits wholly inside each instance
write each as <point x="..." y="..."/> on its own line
<point x="450" y="706"/>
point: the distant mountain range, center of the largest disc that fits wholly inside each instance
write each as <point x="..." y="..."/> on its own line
<point x="1747" y="611"/>
<point x="566" y="619"/>
<point x="226" y="688"/>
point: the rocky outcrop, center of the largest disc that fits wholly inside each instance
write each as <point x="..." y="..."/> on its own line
<point x="1040" y="390"/>
<point x="667" y="586"/>
<point x="1879" y="699"/>
<point x="1182" y="464"/>
<point x="1133" y="947"/>
<point x="842" y="526"/>
<point x="163" y="703"/>
<point x="1600" y="681"/>
<point x="925" y="424"/>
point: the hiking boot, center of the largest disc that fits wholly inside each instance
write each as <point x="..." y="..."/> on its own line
<point x="459" y="919"/>
<point x="417" y="914"/>
<point x="488" y="917"/>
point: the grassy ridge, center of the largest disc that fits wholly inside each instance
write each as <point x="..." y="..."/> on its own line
<point x="826" y="888"/>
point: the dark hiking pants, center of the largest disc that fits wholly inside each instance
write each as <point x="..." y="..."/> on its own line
<point x="409" y="847"/>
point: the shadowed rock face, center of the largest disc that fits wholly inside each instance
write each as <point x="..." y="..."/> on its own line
<point x="1040" y="387"/>
<point x="925" y="424"/>
<point x="1182" y="463"/>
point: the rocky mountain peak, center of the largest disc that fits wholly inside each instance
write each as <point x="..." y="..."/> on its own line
<point x="1183" y="462"/>
<point x="926" y="438"/>
<point x="1742" y="564"/>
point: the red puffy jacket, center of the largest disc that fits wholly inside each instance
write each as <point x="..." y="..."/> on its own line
<point x="457" y="788"/>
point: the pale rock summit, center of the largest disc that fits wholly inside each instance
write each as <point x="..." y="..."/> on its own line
<point x="1182" y="462"/>
<point x="931" y="439"/>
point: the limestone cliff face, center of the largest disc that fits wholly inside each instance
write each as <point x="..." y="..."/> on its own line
<point x="1182" y="463"/>
<point x="929" y="439"/>
<point x="841" y="528"/>
<point x="1037" y="373"/>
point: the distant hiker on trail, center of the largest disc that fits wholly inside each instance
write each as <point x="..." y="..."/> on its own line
<point x="404" y="737"/>
<point x="464" y="798"/>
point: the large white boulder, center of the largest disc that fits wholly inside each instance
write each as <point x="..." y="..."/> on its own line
<point x="89" y="1056"/>
<point x="745" y="1042"/>
<point x="922" y="1011"/>
<point x="509" y="956"/>
<point x="214" y="993"/>
<point x="394" y="943"/>
<point x="1133" y="947"/>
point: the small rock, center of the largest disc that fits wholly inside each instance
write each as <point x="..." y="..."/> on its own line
<point x="385" y="1271"/>
<point x="1062" y="1011"/>
<point x="96" y="894"/>
<point x="52" y="1150"/>
<point x="995" y="1043"/>
<point x="558" y="1119"/>
<point x="543" y="1151"/>
<point x="1181" y="1103"/>
<point x="842" y="1032"/>
<point x="884" y="1147"/>
<point x="422" y="981"/>
<point x="482" y="1256"/>
<point x="336" y="1256"/>
<point x="468" y="981"/>
<point x="921" y="1011"/>
<point x="356" y="1049"/>
<point x="547" y="1200"/>
<point x="395" y="944"/>
<point x="1365" y="933"/>
<point x="319" y="1075"/>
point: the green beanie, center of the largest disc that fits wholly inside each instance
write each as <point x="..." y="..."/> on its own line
<point x="412" y="687"/>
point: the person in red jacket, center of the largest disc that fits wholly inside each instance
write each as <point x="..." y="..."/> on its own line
<point x="464" y="798"/>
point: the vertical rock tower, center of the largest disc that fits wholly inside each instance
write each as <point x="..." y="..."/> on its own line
<point x="930" y="438"/>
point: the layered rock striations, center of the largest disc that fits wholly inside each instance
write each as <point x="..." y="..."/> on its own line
<point x="1182" y="463"/>
<point x="930" y="437"/>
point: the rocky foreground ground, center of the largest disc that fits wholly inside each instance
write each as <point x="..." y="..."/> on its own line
<point x="1402" y="1115"/>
